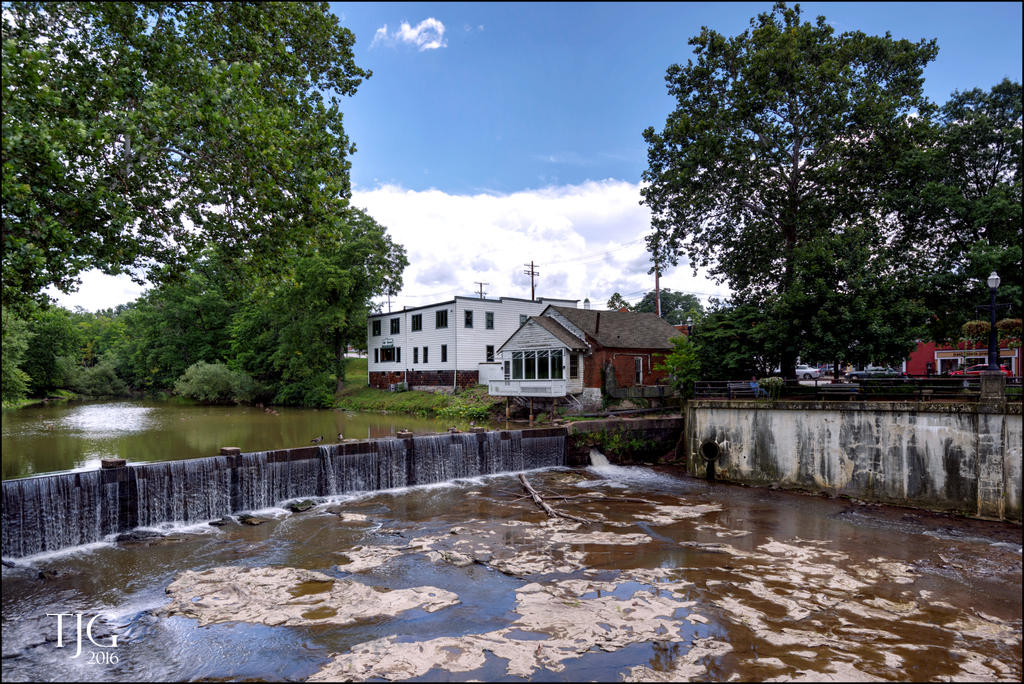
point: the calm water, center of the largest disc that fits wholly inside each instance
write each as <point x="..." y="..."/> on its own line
<point x="43" y="439"/>
<point x="758" y="585"/>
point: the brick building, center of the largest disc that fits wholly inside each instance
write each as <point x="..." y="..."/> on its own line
<point x="581" y="352"/>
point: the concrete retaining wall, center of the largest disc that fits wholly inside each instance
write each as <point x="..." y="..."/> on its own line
<point x="960" y="458"/>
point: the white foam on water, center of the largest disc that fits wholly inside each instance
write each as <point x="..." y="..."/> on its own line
<point x="622" y="477"/>
<point x="67" y="551"/>
<point x="269" y="512"/>
<point x="179" y="527"/>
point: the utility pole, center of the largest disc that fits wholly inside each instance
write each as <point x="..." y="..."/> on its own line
<point x="532" y="272"/>
<point x="482" y="293"/>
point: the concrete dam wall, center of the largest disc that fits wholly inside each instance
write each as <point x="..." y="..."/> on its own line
<point x="51" y="512"/>
<point x="959" y="458"/>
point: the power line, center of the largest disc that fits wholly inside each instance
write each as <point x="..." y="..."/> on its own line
<point x="482" y="293"/>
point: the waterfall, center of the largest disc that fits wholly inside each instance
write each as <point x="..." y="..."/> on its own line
<point x="51" y="512"/>
<point x="597" y="458"/>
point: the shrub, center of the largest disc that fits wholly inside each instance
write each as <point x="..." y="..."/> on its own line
<point x="215" y="383"/>
<point x="773" y="386"/>
<point x="100" y="380"/>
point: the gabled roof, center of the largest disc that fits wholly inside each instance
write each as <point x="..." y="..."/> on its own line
<point x="553" y="327"/>
<point x="620" y="329"/>
<point x="563" y="335"/>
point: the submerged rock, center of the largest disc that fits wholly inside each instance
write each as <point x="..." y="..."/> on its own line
<point x="137" y="537"/>
<point x="247" y="519"/>
<point x="300" y="506"/>
<point x="290" y="596"/>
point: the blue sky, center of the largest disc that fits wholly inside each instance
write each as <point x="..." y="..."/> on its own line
<point x="530" y="95"/>
<point x="491" y="134"/>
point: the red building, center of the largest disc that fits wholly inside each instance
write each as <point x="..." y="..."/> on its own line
<point x="930" y="358"/>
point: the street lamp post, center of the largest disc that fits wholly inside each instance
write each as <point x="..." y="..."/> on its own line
<point x="993" y="349"/>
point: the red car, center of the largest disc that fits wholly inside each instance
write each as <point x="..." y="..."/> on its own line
<point x="977" y="369"/>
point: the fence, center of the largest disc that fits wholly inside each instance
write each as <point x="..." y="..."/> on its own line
<point x="908" y="388"/>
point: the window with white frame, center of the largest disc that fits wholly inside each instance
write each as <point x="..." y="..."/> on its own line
<point x="544" y="364"/>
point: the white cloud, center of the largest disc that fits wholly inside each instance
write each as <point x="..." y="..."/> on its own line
<point x="426" y="35"/>
<point x="586" y="240"/>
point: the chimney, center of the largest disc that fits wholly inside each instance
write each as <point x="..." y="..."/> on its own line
<point x="597" y="326"/>
<point x="586" y="303"/>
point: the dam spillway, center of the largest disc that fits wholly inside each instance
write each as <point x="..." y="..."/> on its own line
<point x="52" y="512"/>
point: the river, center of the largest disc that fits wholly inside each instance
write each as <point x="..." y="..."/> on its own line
<point x="671" y="579"/>
<point x="76" y="435"/>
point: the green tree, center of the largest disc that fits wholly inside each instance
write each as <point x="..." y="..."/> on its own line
<point x="781" y="135"/>
<point x="735" y="342"/>
<point x="292" y="332"/>
<point x="676" y="307"/>
<point x="136" y="133"/>
<point x="52" y="355"/>
<point x="616" y="302"/>
<point x="964" y="219"/>
<point x="16" y="336"/>
<point x="182" y="321"/>
<point x="682" y="365"/>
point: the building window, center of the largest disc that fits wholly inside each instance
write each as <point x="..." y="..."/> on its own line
<point x="469" y="318"/>
<point x="376" y="355"/>
<point x="508" y="370"/>
<point x="396" y="325"/>
<point x="556" y="364"/>
<point x="375" y="328"/>
<point x="542" y="365"/>
<point x="522" y="318"/>
<point x="444" y="353"/>
<point x="489" y="320"/>
<point x="417" y="322"/>
<point x="424" y="355"/>
<point x="441" y="319"/>
<point x="574" y="366"/>
<point x="638" y="367"/>
<point x="529" y="365"/>
<point x="415" y="354"/>
<point x="517" y="365"/>
<point x="387" y="354"/>
<point x="490" y="352"/>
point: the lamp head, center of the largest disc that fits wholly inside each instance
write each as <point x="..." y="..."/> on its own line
<point x="993" y="281"/>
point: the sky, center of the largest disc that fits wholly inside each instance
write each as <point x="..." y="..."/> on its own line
<point x="491" y="135"/>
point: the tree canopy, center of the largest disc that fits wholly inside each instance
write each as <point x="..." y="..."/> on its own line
<point x="963" y="219"/>
<point x="134" y="134"/>
<point x="783" y="137"/>
<point x="676" y="307"/>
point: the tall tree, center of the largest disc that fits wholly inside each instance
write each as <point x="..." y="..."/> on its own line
<point x="964" y="221"/>
<point x="136" y="133"/>
<point x="780" y="135"/>
<point x="292" y="333"/>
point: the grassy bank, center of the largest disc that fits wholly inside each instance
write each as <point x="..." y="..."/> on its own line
<point x="469" y="404"/>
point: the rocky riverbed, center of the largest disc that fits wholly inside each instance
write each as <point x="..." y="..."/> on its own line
<point x="670" y="580"/>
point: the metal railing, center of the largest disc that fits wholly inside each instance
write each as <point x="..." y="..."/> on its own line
<point x="904" y="388"/>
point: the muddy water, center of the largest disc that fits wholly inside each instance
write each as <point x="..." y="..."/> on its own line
<point x="44" y="439"/>
<point x="471" y="581"/>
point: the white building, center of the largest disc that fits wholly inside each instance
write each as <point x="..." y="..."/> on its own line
<point x="446" y="344"/>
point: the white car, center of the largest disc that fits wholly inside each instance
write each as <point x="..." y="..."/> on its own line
<point x="807" y="372"/>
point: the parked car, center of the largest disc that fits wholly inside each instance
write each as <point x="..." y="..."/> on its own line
<point x="978" y="368"/>
<point x="807" y="372"/>
<point x="875" y="372"/>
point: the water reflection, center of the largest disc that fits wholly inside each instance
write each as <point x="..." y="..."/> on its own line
<point x="42" y="439"/>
